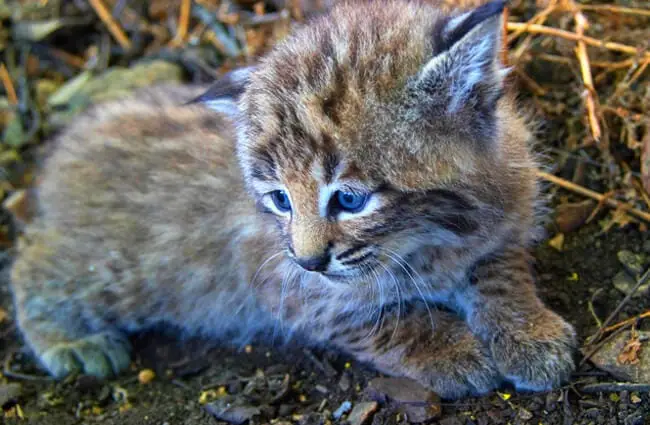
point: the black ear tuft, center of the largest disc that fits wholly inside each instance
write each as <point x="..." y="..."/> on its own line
<point x="224" y="94"/>
<point x="460" y="26"/>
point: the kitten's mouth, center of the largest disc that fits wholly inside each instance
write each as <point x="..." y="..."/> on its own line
<point x="343" y="275"/>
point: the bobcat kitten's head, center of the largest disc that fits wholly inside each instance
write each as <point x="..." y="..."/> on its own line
<point x="380" y="129"/>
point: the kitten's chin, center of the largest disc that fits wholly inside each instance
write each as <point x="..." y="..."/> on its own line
<point x="347" y="277"/>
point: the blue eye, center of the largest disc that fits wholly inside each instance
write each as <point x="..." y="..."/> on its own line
<point x="351" y="202"/>
<point x="281" y="200"/>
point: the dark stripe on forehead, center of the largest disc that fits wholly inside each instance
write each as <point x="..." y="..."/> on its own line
<point x="263" y="166"/>
<point x="331" y="158"/>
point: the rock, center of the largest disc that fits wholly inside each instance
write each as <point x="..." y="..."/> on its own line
<point x="525" y="415"/>
<point x="410" y="398"/>
<point x="10" y="392"/>
<point x="344" y="382"/>
<point x="570" y="216"/>
<point x="624" y="283"/>
<point x="400" y="390"/>
<point x="362" y="412"/>
<point x="342" y="410"/>
<point x="632" y="262"/>
<point x="608" y="358"/>
<point x="224" y="410"/>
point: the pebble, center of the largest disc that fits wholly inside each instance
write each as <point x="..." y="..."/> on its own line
<point x="525" y="415"/>
<point x="235" y="415"/>
<point x="10" y="392"/>
<point x="416" y="402"/>
<point x="344" y="382"/>
<point x="624" y="283"/>
<point x="362" y="412"/>
<point x="632" y="262"/>
<point x="607" y="359"/>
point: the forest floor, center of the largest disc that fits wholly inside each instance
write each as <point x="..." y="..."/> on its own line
<point x="61" y="56"/>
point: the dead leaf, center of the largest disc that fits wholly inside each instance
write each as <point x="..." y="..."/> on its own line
<point x="557" y="241"/>
<point x="570" y="216"/>
<point x="3" y="315"/>
<point x="630" y="353"/>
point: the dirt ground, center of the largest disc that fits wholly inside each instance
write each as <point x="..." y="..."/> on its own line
<point x="191" y="372"/>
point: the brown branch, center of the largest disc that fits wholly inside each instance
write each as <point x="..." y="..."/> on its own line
<point x="568" y="35"/>
<point x="8" y="85"/>
<point x="113" y="27"/>
<point x="594" y="195"/>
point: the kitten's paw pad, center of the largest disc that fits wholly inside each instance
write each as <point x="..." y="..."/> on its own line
<point x="537" y="364"/>
<point x="102" y="355"/>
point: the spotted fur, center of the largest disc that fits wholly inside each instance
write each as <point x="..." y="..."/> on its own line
<point x="158" y="211"/>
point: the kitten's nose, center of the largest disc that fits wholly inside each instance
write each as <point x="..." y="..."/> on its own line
<point x="314" y="264"/>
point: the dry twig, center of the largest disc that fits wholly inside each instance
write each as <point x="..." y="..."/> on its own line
<point x="111" y="23"/>
<point x="594" y="195"/>
<point x="614" y="9"/>
<point x="8" y="85"/>
<point x="183" y="24"/>
<point x="568" y="35"/>
<point x="585" y="69"/>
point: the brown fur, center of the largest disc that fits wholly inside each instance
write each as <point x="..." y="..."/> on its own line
<point x="148" y="211"/>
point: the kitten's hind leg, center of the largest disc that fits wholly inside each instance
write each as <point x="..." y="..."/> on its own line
<point x="431" y="346"/>
<point x="58" y="323"/>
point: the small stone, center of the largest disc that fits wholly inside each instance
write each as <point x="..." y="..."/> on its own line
<point x="224" y="410"/>
<point x="146" y="375"/>
<point x="342" y="410"/>
<point x="607" y="359"/>
<point x="414" y="401"/>
<point x="632" y="262"/>
<point x="285" y="410"/>
<point x="10" y="392"/>
<point x="624" y="283"/>
<point x="344" y="382"/>
<point x="525" y="415"/>
<point x="362" y="412"/>
<point x="400" y="390"/>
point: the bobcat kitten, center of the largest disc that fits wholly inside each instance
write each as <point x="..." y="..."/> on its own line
<point x="375" y="193"/>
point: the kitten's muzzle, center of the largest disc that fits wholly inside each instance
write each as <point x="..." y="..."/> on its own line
<point x="314" y="264"/>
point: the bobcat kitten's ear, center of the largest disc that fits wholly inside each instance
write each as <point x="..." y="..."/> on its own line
<point x="224" y="94"/>
<point x="465" y="72"/>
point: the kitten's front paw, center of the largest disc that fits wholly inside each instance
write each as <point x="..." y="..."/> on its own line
<point x="539" y="358"/>
<point x="103" y="355"/>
